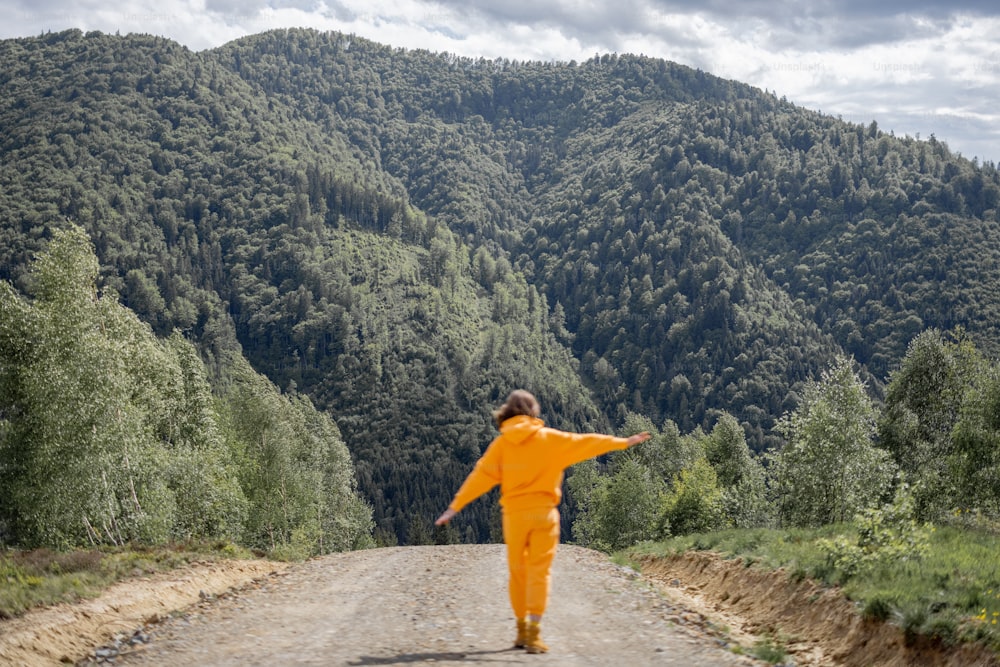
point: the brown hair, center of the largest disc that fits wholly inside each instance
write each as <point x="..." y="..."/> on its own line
<point x="519" y="402"/>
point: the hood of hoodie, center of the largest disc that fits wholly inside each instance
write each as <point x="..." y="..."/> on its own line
<point x="519" y="429"/>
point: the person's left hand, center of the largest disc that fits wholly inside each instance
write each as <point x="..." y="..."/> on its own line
<point x="637" y="438"/>
<point x="445" y="517"/>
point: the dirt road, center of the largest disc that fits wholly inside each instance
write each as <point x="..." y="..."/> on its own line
<point x="446" y="605"/>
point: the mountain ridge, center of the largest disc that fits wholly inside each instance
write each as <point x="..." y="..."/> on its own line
<point x="636" y="235"/>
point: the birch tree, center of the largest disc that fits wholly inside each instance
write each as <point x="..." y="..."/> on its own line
<point x="78" y="459"/>
<point x="829" y="468"/>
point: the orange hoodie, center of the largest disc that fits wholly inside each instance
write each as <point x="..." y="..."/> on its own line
<point x="527" y="460"/>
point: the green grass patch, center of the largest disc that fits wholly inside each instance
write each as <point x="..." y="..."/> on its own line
<point x="41" y="577"/>
<point x="950" y="594"/>
<point x="770" y="650"/>
<point x="622" y="558"/>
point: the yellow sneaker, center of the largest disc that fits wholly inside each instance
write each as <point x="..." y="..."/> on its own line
<point x="522" y="633"/>
<point x="533" y="640"/>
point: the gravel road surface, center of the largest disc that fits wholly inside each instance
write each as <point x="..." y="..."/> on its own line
<point x="445" y="605"/>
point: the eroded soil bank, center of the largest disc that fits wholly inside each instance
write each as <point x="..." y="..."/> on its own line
<point x="67" y="632"/>
<point x="817" y="625"/>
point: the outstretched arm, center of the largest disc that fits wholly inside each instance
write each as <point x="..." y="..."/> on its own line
<point x="582" y="446"/>
<point x="484" y="476"/>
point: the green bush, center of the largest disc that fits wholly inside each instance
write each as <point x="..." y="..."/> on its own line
<point x="769" y="650"/>
<point x="877" y="609"/>
<point x="887" y="536"/>
<point x="695" y="503"/>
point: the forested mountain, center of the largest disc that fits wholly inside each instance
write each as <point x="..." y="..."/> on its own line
<point x="404" y="236"/>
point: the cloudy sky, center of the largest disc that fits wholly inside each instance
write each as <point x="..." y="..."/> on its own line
<point x="918" y="68"/>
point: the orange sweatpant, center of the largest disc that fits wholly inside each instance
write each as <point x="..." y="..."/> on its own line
<point x="532" y="537"/>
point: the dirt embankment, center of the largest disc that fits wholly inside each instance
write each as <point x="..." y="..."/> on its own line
<point x="817" y="625"/>
<point x="67" y="632"/>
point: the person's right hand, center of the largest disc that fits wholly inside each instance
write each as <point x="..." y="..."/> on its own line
<point x="637" y="438"/>
<point x="445" y="517"/>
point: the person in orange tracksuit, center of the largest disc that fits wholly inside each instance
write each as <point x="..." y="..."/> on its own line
<point x="527" y="460"/>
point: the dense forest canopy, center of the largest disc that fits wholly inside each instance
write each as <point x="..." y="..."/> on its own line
<point x="111" y="435"/>
<point x="403" y="236"/>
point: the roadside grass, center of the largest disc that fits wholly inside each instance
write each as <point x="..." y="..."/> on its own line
<point x="40" y="577"/>
<point x="951" y="594"/>
<point x="770" y="650"/>
<point x="622" y="558"/>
